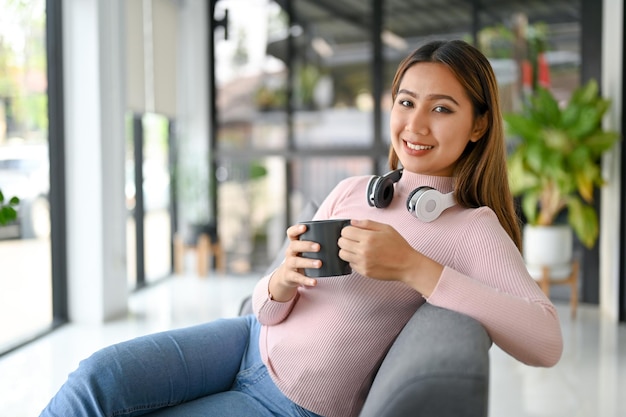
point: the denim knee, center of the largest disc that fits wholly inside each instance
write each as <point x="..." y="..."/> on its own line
<point x="94" y="376"/>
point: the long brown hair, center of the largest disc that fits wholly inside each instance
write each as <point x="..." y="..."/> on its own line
<point x="481" y="173"/>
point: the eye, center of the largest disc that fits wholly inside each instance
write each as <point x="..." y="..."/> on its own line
<point x="442" y="109"/>
<point x="405" y="103"/>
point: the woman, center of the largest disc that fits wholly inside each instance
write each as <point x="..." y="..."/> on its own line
<point x="313" y="345"/>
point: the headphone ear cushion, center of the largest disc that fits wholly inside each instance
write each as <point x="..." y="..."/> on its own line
<point x="414" y="197"/>
<point x="427" y="204"/>
<point x="370" y="190"/>
<point x="380" y="191"/>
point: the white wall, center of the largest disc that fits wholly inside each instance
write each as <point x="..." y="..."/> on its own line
<point x="612" y="76"/>
<point x="94" y="147"/>
<point x="151" y="41"/>
<point x="192" y="117"/>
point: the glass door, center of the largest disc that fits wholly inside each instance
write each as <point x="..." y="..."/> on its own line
<point x="25" y="252"/>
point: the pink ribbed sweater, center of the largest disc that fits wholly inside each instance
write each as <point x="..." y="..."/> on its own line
<point x="323" y="347"/>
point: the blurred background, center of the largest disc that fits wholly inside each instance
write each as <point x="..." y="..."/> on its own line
<point x="126" y="127"/>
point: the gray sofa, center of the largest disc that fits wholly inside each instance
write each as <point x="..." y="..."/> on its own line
<point x="437" y="367"/>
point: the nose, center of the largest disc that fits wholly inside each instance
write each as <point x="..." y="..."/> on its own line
<point x="417" y="122"/>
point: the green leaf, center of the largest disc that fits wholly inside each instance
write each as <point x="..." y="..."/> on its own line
<point x="7" y="214"/>
<point x="570" y="116"/>
<point x="579" y="156"/>
<point x="586" y="93"/>
<point x="600" y="142"/>
<point x="529" y="207"/>
<point x="587" y="123"/>
<point x="558" y="140"/>
<point x="523" y="127"/>
<point x="545" y="108"/>
<point x="521" y="179"/>
<point x="584" y="221"/>
<point x="257" y="171"/>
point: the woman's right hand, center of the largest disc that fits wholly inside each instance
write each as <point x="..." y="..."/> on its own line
<point x="285" y="281"/>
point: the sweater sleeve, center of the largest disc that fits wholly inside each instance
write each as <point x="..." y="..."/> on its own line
<point x="490" y="283"/>
<point x="269" y="312"/>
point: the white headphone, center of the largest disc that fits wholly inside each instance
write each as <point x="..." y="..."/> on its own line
<point x="424" y="202"/>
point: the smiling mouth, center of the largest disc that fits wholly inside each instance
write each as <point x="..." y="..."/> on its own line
<point x="418" y="147"/>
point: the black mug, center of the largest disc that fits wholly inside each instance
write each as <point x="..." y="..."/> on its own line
<point x="326" y="233"/>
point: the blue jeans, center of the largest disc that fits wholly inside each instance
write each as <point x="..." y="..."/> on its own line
<point x="213" y="369"/>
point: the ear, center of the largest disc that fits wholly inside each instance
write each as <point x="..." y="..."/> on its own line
<point x="480" y="127"/>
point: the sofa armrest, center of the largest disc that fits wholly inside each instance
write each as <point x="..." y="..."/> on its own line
<point x="438" y="366"/>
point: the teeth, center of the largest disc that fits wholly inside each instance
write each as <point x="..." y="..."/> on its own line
<point x="418" y="147"/>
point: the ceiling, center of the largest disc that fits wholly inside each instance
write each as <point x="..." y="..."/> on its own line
<point x="347" y="26"/>
<point x="351" y="20"/>
<point x="346" y="23"/>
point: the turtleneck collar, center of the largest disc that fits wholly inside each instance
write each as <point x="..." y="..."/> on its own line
<point x="410" y="181"/>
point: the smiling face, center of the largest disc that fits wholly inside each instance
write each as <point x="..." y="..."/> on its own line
<point x="432" y="120"/>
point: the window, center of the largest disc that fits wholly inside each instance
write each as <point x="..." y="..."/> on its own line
<point x="25" y="250"/>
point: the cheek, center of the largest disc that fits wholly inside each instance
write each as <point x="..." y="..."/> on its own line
<point x="457" y="145"/>
<point x="396" y="124"/>
<point x="455" y="135"/>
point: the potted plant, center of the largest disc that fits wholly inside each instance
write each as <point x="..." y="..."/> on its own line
<point x="556" y="166"/>
<point x="7" y="209"/>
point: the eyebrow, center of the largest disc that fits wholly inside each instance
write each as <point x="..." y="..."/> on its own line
<point x="430" y="96"/>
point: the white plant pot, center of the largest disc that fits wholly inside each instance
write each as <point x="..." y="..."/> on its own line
<point x="550" y="246"/>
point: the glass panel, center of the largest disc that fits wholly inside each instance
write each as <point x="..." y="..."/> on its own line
<point x="251" y="83"/>
<point x="156" y="194"/>
<point x="131" y="252"/>
<point x="330" y="80"/>
<point x="25" y="264"/>
<point x="129" y="191"/>
<point x="156" y="198"/>
<point x="547" y="56"/>
<point x="251" y="211"/>
<point x="332" y="74"/>
<point x="251" y="76"/>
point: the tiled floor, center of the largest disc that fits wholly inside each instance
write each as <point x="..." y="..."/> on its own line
<point x="589" y="381"/>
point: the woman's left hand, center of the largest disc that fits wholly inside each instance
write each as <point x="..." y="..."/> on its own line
<point x="378" y="251"/>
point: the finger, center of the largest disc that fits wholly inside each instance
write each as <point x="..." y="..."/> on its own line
<point x="348" y="251"/>
<point x="366" y="224"/>
<point x="294" y="277"/>
<point x="346" y="255"/>
<point x="294" y="273"/>
<point x="354" y="233"/>
<point x="296" y="247"/>
<point x="296" y="230"/>
<point x="302" y="280"/>
<point x="300" y="262"/>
